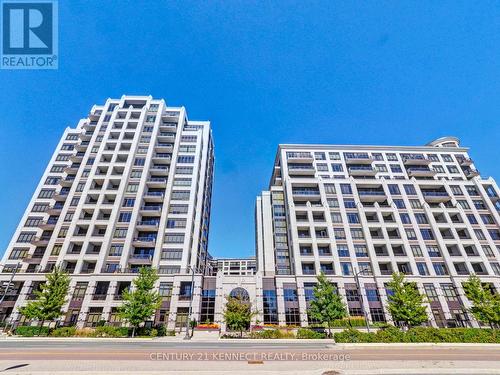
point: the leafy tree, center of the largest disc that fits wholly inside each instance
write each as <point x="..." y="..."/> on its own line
<point x="142" y="302"/>
<point x="326" y="306"/>
<point x="485" y="304"/>
<point x="50" y="298"/>
<point x="406" y="304"/>
<point x="238" y="314"/>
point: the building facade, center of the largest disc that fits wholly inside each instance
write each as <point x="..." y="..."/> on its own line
<point x="129" y="187"/>
<point x="369" y="211"/>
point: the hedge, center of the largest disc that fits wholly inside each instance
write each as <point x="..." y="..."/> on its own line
<point x="420" y="334"/>
<point x="30" y="331"/>
<point x="63" y="332"/>
<point x="304" y="333"/>
<point x="272" y="334"/>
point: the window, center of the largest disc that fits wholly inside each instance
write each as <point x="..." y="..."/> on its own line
<point x="336" y="217"/>
<point x="416" y="250"/>
<point x="410" y="233"/>
<point x="381" y="167"/>
<point x="452" y="169"/>
<point x="337" y="167"/>
<point x="456" y="190"/>
<point x="391" y="157"/>
<point x="346" y="189"/>
<point x="479" y="204"/>
<point x="187" y="148"/>
<point x="433" y="251"/>
<point x="25" y="237"/>
<point x="46" y="193"/>
<point x="372" y="295"/>
<point x="183" y="170"/>
<point x="343" y="250"/>
<point x="349" y="203"/>
<point x="346" y="268"/>
<point x="181" y="195"/>
<point x="185" y="159"/>
<point x="188" y="138"/>
<point x="360" y="251"/>
<point x="449" y="292"/>
<point x="176" y="223"/>
<point x="182" y="182"/>
<point x="33" y="221"/>
<point x="334" y="155"/>
<point x="357" y="234"/>
<point x="115" y="250"/>
<point x="421" y="218"/>
<point x="463" y="203"/>
<point x="18" y="253"/>
<point x="128" y="202"/>
<point x="132" y="188"/>
<point x="427" y="234"/>
<point x="394" y="189"/>
<point x="124" y="217"/>
<point x="353" y="218"/>
<point x="410" y="190"/>
<point x="139" y="161"/>
<point x="339" y="233"/>
<point x="174" y="238"/>
<point x="136" y="173"/>
<point x="178" y="209"/>
<point x="52" y="180"/>
<point x="440" y="269"/>
<point x="40" y="207"/>
<point x="399" y="203"/>
<point x="430" y="292"/>
<point x="415" y="203"/>
<point x="332" y="203"/>
<point x="422" y="269"/>
<point x="120" y="232"/>
<point x="396" y="168"/>
<point x="171" y="254"/>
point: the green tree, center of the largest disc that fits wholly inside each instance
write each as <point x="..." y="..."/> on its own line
<point x="485" y="304"/>
<point x="238" y="314"/>
<point x="406" y="304"/>
<point x="142" y="301"/>
<point x="50" y="298"/>
<point x="326" y="306"/>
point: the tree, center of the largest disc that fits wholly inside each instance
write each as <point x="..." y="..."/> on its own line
<point x="326" y="306"/>
<point x="50" y="298"/>
<point x="485" y="304"/>
<point x="143" y="301"/>
<point x="238" y="314"/>
<point x="406" y="304"/>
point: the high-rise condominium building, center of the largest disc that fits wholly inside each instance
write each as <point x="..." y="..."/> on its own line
<point x="371" y="211"/>
<point x="130" y="186"/>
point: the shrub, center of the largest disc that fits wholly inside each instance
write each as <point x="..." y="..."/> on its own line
<point x="304" y="333"/>
<point x="85" y="332"/>
<point x="272" y="334"/>
<point x="63" y="332"/>
<point x="161" y="330"/>
<point x="30" y="331"/>
<point x="110" y="331"/>
<point x="349" y="322"/>
<point x="421" y="334"/>
<point x="170" y="333"/>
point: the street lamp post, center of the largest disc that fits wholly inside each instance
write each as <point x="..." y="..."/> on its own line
<point x="188" y="322"/>
<point x="356" y="277"/>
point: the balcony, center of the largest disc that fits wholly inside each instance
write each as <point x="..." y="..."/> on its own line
<point x="164" y="147"/>
<point x="161" y="170"/>
<point x="157" y="182"/>
<point x="61" y="197"/>
<point x="150" y="210"/>
<point x="144" y="241"/>
<point x="371" y="195"/>
<point x="33" y="259"/>
<point x="67" y="182"/>
<point x="55" y="209"/>
<point x="168" y="126"/>
<point x="99" y="297"/>
<point x="362" y="171"/>
<point x="77" y="157"/>
<point x="41" y="241"/>
<point x="47" y="224"/>
<point x="153" y="196"/>
<point x="166" y="137"/>
<point x="465" y="162"/>
<point x="421" y="172"/>
<point x="435" y="196"/>
<point x="415" y="160"/>
<point x="301" y="169"/>
<point x="141" y="259"/>
<point x="149" y="225"/>
<point x="72" y="169"/>
<point x="82" y="146"/>
<point x="306" y="194"/>
<point x="358" y="158"/>
<point x="471" y="173"/>
<point x="163" y="158"/>
<point x="299" y="157"/>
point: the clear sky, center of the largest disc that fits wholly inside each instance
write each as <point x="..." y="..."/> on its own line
<point x="268" y="72"/>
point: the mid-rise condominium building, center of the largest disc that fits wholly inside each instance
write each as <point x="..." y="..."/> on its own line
<point x="129" y="186"/>
<point x="369" y="211"/>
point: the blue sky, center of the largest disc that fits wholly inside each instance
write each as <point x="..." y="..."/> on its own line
<point x="269" y="72"/>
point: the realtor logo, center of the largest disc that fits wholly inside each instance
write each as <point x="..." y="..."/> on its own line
<point x="29" y="34"/>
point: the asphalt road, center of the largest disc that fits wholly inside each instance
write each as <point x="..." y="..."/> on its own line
<point x="155" y="357"/>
